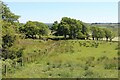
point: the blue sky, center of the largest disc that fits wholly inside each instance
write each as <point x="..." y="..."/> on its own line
<point x="48" y="12"/>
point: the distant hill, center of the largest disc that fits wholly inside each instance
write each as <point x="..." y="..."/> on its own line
<point x="112" y="25"/>
<point x="49" y="24"/>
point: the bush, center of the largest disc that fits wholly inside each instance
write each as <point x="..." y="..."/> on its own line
<point x="88" y="73"/>
<point x="118" y="52"/>
<point x="48" y="63"/>
<point x="111" y="64"/>
<point x="102" y="58"/>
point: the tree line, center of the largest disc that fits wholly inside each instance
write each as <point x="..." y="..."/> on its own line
<point x="76" y="29"/>
<point x="68" y="27"/>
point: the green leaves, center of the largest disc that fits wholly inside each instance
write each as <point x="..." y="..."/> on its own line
<point x="109" y="34"/>
<point x="7" y="15"/>
<point x="54" y="26"/>
<point x="8" y="40"/>
<point x="97" y="32"/>
<point x="33" y="28"/>
<point x="102" y="33"/>
<point x="71" y="27"/>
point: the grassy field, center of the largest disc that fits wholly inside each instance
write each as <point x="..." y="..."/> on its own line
<point x="68" y="58"/>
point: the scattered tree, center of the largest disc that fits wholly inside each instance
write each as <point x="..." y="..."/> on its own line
<point x="33" y="28"/>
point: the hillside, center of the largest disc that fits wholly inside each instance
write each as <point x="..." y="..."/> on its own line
<point x="71" y="58"/>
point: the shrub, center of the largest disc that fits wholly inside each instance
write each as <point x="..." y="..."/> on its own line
<point x="53" y="66"/>
<point x="102" y="58"/>
<point x="111" y="64"/>
<point x="118" y="52"/>
<point x="80" y="43"/>
<point x="59" y="74"/>
<point x="48" y="63"/>
<point x="58" y="65"/>
<point x="50" y="74"/>
<point x="88" y="73"/>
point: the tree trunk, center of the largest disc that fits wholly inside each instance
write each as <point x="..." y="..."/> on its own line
<point x="106" y="38"/>
<point x="97" y="39"/>
<point x="21" y="62"/>
<point x="110" y="39"/>
<point x="5" y="70"/>
<point x="35" y="37"/>
<point x="64" y="36"/>
<point x="87" y="37"/>
<point x="32" y="37"/>
<point x="39" y="36"/>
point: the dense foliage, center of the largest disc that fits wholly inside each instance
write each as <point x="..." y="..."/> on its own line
<point x="76" y="29"/>
<point x="8" y="38"/>
<point x="71" y="27"/>
<point x="33" y="28"/>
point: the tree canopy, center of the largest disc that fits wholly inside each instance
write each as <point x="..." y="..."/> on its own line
<point x="7" y="15"/>
<point x="71" y="27"/>
<point x="8" y="32"/>
<point x="33" y="28"/>
<point x="76" y="29"/>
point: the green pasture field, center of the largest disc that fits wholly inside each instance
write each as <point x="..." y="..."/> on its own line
<point x="67" y="59"/>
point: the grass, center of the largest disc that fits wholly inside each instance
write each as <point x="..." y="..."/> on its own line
<point x="70" y="58"/>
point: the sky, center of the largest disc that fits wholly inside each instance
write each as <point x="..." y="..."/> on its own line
<point x="48" y="12"/>
<point x="60" y="0"/>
